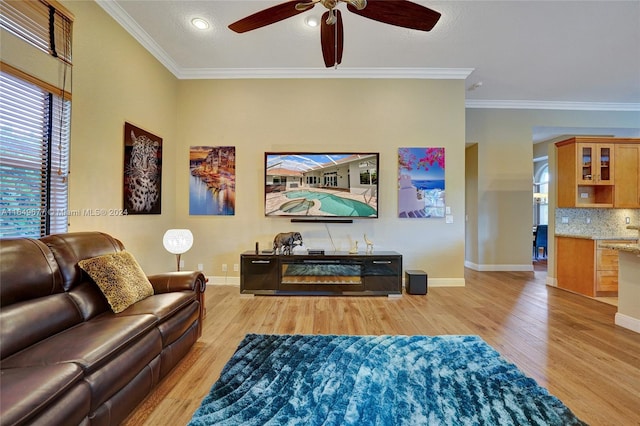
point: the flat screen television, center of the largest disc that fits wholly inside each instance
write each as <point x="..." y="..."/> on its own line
<point x="321" y="184"/>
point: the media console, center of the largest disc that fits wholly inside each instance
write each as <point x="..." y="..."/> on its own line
<point x="336" y="273"/>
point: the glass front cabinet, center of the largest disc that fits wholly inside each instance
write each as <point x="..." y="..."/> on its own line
<point x="595" y="164"/>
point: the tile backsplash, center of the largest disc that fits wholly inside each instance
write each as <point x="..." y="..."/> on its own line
<point x="597" y="222"/>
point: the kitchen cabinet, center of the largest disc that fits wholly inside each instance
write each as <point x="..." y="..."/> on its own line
<point x="607" y="268"/>
<point x="588" y="170"/>
<point x="584" y="266"/>
<point x="595" y="163"/>
<point x="627" y="176"/>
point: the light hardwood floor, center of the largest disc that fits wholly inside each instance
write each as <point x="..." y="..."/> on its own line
<point x="567" y="343"/>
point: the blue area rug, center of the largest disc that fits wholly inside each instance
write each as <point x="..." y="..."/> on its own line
<point x="375" y="380"/>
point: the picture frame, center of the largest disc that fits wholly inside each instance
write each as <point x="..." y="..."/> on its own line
<point x="421" y="182"/>
<point x="142" y="177"/>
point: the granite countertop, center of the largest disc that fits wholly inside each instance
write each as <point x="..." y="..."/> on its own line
<point x="599" y="237"/>
<point x="631" y="248"/>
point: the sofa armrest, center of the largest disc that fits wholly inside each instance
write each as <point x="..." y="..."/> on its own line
<point x="178" y="281"/>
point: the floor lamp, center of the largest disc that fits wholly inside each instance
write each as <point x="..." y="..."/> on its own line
<point x="177" y="241"/>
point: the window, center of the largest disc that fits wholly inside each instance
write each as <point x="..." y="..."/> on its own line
<point x="368" y="177"/>
<point x="34" y="154"/>
<point x="541" y="196"/>
<point x="43" y="24"/>
<point x="34" y="124"/>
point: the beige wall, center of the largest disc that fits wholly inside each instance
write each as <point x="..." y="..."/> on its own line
<point x="505" y="173"/>
<point x="629" y="291"/>
<point x="345" y="115"/>
<point x="23" y="56"/>
<point x="116" y="80"/>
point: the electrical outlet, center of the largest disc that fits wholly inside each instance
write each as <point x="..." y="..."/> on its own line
<point x="627" y="220"/>
<point x="200" y="267"/>
<point x="236" y="267"/>
<point x="224" y="267"/>
<point x="448" y="218"/>
<point x="565" y="219"/>
<point x="588" y="220"/>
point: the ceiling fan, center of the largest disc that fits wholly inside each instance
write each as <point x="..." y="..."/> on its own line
<point x="401" y="13"/>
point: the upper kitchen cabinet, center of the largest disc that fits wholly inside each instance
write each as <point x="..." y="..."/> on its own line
<point x="627" y="176"/>
<point x="595" y="163"/>
<point x="589" y="169"/>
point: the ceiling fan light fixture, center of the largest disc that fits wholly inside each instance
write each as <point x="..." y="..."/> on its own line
<point x="312" y="21"/>
<point x="200" y="23"/>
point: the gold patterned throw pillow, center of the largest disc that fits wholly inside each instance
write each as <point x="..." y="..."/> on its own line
<point x="120" y="278"/>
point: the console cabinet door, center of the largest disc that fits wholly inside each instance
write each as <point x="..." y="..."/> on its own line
<point x="383" y="274"/>
<point x="259" y="273"/>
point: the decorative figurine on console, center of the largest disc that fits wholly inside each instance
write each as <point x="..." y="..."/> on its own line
<point x="369" y="244"/>
<point x="354" y="249"/>
<point x="283" y="243"/>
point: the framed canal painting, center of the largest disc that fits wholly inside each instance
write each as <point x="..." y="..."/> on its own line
<point x="212" y="180"/>
<point x="142" y="183"/>
<point x="421" y="183"/>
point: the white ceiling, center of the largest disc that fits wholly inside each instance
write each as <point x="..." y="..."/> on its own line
<point x="547" y="54"/>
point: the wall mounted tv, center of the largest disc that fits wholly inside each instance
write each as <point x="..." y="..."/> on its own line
<point x="321" y="185"/>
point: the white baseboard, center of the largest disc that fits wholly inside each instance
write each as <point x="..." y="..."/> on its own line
<point x="499" y="268"/>
<point x="626" y="321"/>
<point x="445" y="282"/>
<point x="224" y="281"/>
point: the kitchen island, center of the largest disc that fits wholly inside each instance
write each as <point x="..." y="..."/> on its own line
<point x="628" y="315"/>
<point x="587" y="265"/>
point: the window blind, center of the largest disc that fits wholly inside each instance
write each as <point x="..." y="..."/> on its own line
<point x="44" y="24"/>
<point x="34" y="153"/>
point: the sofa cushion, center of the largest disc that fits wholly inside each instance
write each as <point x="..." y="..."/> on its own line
<point x="26" y="323"/>
<point x="69" y="249"/>
<point x="173" y="311"/>
<point x="28" y="270"/>
<point x="121" y="369"/>
<point x="90" y="344"/>
<point x="120" y="278"/>
<point x="162" y="306"/>
<point x="28" y="391"/>
<point x="89" y="299"/>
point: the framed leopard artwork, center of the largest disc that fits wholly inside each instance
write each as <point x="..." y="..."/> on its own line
<point x="142" y="183"/>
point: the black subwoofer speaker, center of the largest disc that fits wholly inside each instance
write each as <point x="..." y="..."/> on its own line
<point x="415" y="281"/>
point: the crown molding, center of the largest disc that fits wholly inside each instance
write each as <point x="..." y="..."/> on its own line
<point x="131" y="26"/>
<point x="340" y="72"/>
<point x="553" y="105"/>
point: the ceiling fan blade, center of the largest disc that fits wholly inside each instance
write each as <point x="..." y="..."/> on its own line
<point x="271" y="15"/>
<point x="401" y="13"/>
<point x="332" y="39"/>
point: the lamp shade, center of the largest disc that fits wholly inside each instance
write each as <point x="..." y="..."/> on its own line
<point x="177" y="241"/>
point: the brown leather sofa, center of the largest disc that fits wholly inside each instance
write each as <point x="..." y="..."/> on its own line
<point x="66" y="357"/>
